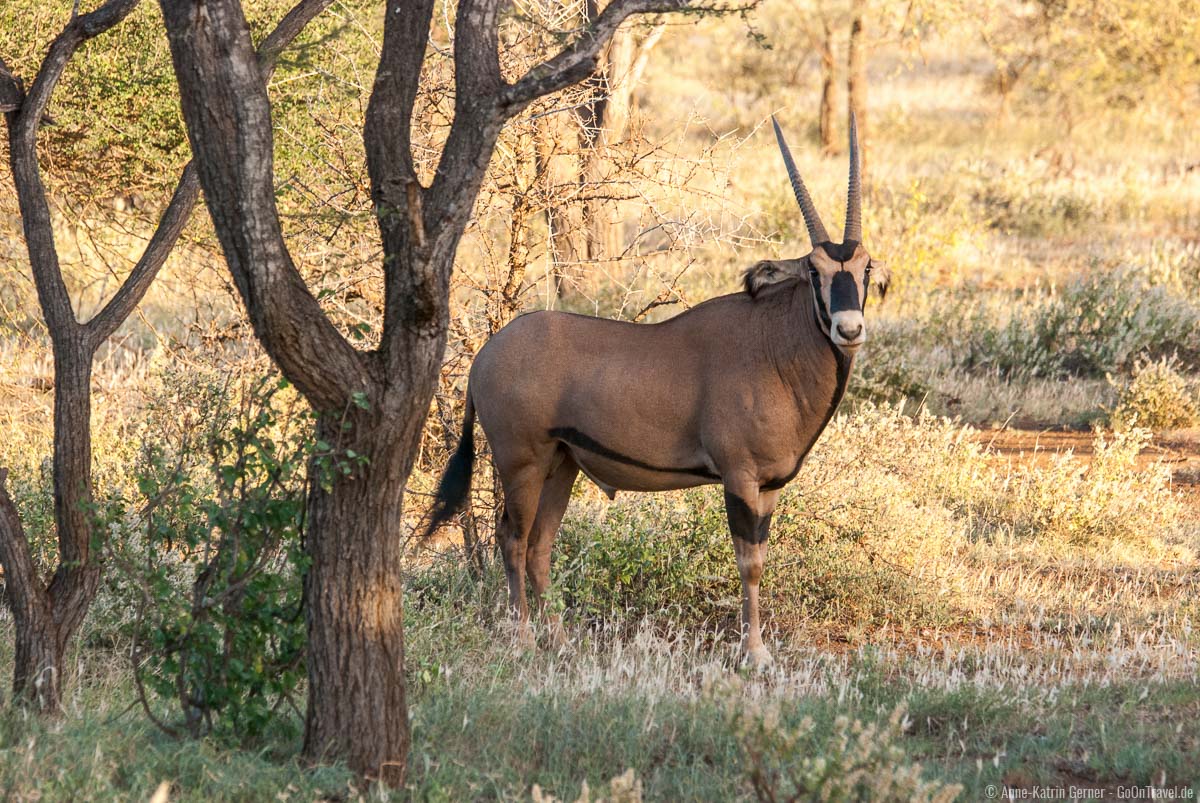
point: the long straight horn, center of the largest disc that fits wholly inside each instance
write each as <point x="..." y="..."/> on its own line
<point x="816" y="229"/>
<point x="854" y="194"/>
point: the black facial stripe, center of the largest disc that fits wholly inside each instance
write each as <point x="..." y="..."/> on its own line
<point x="744" y="523"/>
<point x="843" y="292"/>
<point x="576" y="438"/>
<point x="822" y="313"/>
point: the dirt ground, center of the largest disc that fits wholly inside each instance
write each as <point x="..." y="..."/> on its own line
<point x="1179" y="450"/>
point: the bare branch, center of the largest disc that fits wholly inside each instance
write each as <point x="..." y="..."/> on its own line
<point x="578" y="60"/>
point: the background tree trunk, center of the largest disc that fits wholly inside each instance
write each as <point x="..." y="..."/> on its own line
<point x="558" y="170"/>
<point x="826" y="125"/>
<point x="604" y="122"/>
<point x="856" y="82"/>
<point x="586" y="222"/>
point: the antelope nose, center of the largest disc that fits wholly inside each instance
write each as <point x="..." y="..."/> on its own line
<point x="850" y="334"/>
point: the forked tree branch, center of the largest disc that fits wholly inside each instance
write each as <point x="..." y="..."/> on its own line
<point x="388" y="130"/>
<point x="23" y="122"/>
<point x="397" y="194"/>
<point x="417" y="287"/>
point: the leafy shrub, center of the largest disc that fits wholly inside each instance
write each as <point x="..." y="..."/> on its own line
<point x="885" y="371"/>
<point x="213" y="571"/>
<point x="1156" y="397"/>
<point x="856" y="762"/>
<point x="653" y="556"/>
<point x="1097" y="324"/>
<point x="1109" y="500"/>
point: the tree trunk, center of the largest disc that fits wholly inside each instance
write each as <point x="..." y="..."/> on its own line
<point x="828" y="90"/>
<point x="593" y="229"/>
<point x="77" y="578"/>
<point x="605" y="125"/>
<point x="47" y="617"/>
<point x="856" y="81"/>
<point x="558" y="171"/>
<point x="37" y="664"/>
<point x="355" y="613"/>
<point x="354" y="591"/>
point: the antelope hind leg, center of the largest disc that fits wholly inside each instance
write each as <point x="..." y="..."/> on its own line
<point x="556" y="495"/>
<point x="521" y="493"/>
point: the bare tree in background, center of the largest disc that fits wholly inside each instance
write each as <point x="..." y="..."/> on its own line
<point x="372" y="404"/>
<point x="584" y="216"/>
<point x="825" y="49"/>
<point x="47" y="614"/>
<point x="856" y="79"/>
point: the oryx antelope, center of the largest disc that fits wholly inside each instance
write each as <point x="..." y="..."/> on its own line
<point x="734" y="391"/>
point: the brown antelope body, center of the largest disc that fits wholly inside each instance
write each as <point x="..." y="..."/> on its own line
<point x="734" y="391"/>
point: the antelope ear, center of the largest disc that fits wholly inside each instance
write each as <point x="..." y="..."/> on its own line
<point x="772" y="271"/>
<point x="881" y="275"/>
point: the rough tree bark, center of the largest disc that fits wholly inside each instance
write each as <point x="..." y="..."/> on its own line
<point x="370" y="403"/>
<point x="47" y="615"/>
<point x="856" y="81"/>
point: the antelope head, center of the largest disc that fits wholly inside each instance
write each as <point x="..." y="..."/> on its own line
<point x="838" y="273"/>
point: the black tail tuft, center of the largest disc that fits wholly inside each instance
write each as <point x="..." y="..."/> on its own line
<point x="455" y="487"/>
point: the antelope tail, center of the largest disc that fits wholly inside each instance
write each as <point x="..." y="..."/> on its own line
<point x="455" y="487"/>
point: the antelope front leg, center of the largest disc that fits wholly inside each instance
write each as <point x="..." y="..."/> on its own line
<point x="749" y="512"/>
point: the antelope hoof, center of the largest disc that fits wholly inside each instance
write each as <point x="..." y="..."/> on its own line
<point x="758" y="659"/>
<point x="523" y="638"/>
<point x="556" y="633"/>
